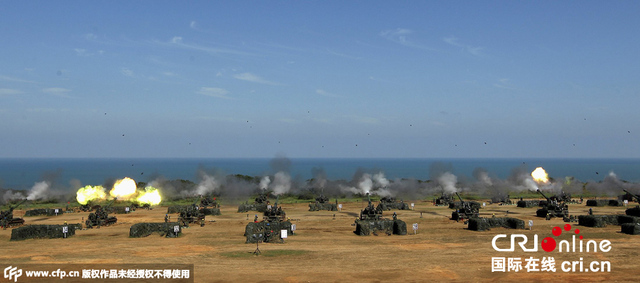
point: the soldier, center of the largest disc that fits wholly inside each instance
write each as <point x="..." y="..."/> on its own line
<point x="395" y="216"/>
<point x="590" y="211"/>
<point x="166" y="218"/>
<point x="255" y="219"/>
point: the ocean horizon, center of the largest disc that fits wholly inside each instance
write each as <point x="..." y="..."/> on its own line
<point x="23" y="173"/>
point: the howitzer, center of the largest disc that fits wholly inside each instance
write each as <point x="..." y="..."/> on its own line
<point x="552" y="208"/>
<point x="11" y="208"/>
<point x="548" y="200"/>
<point x="636" y="197"/>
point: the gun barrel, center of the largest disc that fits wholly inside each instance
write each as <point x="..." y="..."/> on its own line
<point x="632" y="195"/>
<point x="543" y="194"/>
<point x="16" y="206"/>
<point x="459" y="197"/>
<point x="112" y="201"/>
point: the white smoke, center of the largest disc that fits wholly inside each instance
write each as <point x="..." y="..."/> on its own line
<point x="366" y="184"/>
<point x="448" y="182"/>
<point x="281" y="183"/>
<point x="484" y="178"/>
<point x="10" y="196"/>
<point x="348" y="189"/>
<point x="264" y="183"/>
<point x="530" y="184"/>
<point x="38" y="191"/>
<point x="380" y="180"/>
<point x="207" y="185"/>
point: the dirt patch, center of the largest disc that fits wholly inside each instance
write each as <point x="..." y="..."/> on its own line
<point x="327" y="250"/>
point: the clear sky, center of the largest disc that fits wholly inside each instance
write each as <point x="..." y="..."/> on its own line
<point x="319" y="78"/>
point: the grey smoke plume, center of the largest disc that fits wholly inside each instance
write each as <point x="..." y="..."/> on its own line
<point x="612" y="186"/>
<point x="39" y="191"/>
<point x="264" y="182"/>
<point x="281" y="183"/>
<point x="319" y="178"/>
<point x="207" y="185"/>
<point x="11" y="196"/>
<point x="366" y="183"/>
<point x="448" y="182"/>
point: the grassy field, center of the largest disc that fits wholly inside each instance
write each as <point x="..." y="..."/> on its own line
<point x="325" y="249"/>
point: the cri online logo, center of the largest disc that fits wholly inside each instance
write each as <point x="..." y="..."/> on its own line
<point x="549" y="244"/>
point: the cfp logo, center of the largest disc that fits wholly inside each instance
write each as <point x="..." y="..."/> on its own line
<point x="12" y="273"/>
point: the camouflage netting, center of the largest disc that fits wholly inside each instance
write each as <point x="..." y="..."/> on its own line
<point x="631" y="228"/>
<point x="140" y="230"/>
<point x="207" y="211"/>
<point x="323" y="206"/>
<point x="259" y="207"/>
<point x="394" y="206"/>
<point x="622" y="219"/>
<point x="211" y="211"/>
<point x="459" y="205"/>
<point x="597" y="202"/>
<point x="597" y="221"/>
<point x="119" y="209"/>
<point x="266" y="231"/>
<point x="615" y="202"/>
<point x="43" y="211"/>
<point x="634" y="211"/>
<point x="484" y="224"/>
<point x="389" y="227"/>
<point x="528" y="203"/>
<point x="43" y="231"/>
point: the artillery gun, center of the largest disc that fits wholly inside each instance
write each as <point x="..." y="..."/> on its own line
<point x="209" y="206"/>
<point x="208" y="201"/>
<point x="389" y="203"/>
<point x="553" y="208"/>
<point x="259" y="205"/>
<point x="561" y="197"/>
<point x="268" y="230"/>
<point x="634" y="211"/>
<point x="630" y="197"/>
<point x="466" y="210"/>
<point x="191" y="214"/>
<point x="101" y="217"/>
<point x="322" y="203"/>
<point x="444" y="200"/>
<point x="6" y="217"/>
<point x="371" y="222"/>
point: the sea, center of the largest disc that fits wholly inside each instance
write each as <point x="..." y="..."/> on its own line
<point x="23" y="174"/>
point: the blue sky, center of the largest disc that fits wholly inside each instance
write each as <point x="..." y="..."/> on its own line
<point x="319" y="79"/>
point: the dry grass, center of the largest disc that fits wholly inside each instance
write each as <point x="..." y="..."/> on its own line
<point x="326" y="249"/>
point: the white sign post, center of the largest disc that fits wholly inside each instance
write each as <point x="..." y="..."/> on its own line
<point x="126" y="209"/>
<point x="293" y="228"/>
<point x="340" y="207"/>
<point x="176" y="229"/>
<point x="412" y="205"/>
<point x="65" y="230"/>
<point x="484" y="204"/>
<point x="283" y="234"/>
<point x="56" y="211"/>
<point x="626" y="202"/>
<point x="530" y="224"/>
<point x="415" y="228"/>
